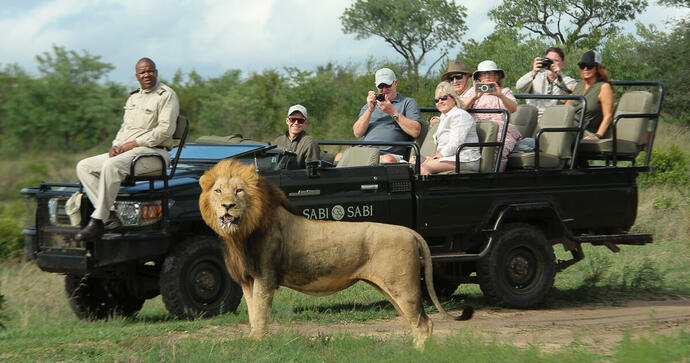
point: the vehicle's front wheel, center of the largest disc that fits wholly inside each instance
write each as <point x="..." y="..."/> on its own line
<point x="194" y="281"/>
<point x="519" y="270"/>
<point x="94" y="299"/>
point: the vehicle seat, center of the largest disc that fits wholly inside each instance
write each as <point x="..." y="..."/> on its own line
<point x="162" y="174"/>
<point x="555" y="146"/>
<point x="487" y="131"/>
<point x="427" y="145"/>
<point x="631" y="133"/>
<point x="525" y="119"/>
<point x="359" y="156"/>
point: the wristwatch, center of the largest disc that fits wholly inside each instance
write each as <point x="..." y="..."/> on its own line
<point x="395" y="116"/>
<point x="598" y="136"/>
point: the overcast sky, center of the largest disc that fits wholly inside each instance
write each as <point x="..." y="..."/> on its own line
<point x="209" y="36"/>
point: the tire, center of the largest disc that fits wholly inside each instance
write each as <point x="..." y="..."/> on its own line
<point x="194" y="281"/>
<point x="519" y="270"/>
<point x="95" y="299"/>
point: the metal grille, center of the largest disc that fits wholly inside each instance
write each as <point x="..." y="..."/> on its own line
<point x="400" y="186"/>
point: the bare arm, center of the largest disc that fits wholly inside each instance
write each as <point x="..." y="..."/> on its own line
<point x="362" y="124"/>
<point x="606" y="99"/>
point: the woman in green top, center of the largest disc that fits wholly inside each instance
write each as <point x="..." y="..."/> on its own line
<point x="597" y="89"/>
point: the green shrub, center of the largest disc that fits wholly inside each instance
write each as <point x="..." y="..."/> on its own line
<point x="2" y="315"/>
<point x="11" y="238"/>
<point x="670" y="167"/>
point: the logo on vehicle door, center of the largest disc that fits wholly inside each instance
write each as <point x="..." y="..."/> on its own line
<point x="338" y="212"/>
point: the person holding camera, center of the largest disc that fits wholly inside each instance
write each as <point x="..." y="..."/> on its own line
<point x="388" y="116"/>
<point x="459" y="78"/>
<point x="549" y="82"/>
<point x="456" y="127"/>
<point x="297" y="140"/>
<point x="489" y="93"/>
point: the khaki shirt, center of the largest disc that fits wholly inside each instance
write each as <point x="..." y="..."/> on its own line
<point x="540" y="85"/>
<point x="150" y="117"/>
<point x="306" y="148"/>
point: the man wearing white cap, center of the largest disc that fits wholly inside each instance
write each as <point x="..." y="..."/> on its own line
<point x="394" y="118"/>
<point x="297" y="140"/>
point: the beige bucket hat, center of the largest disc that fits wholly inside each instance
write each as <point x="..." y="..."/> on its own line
<point x="455" y="67"/>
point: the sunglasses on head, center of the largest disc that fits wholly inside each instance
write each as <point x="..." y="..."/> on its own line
<point x="587" y="65"/>
<point x="297" y="119"/>
<point x="383" y="85"/>
<point x="458" y="76"/>
<point x="442" y="98"/>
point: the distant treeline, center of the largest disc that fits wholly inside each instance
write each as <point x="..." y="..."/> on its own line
<point x="68" y="106"/>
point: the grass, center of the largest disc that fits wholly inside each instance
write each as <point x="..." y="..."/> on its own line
<point x="41" y="327"/>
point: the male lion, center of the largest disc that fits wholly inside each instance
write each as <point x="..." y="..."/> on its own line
<point x="266" y="246"/>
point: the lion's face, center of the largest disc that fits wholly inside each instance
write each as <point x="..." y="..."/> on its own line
<point x="229" y="201"/>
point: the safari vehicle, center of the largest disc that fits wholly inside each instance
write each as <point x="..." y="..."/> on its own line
<point x="497" y="229"/>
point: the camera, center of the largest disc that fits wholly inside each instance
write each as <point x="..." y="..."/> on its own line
<point x="484" y="88"/>
<point x="380" y="97"/>
<point x="546" y="63"/>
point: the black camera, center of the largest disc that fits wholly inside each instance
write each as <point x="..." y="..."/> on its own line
<point x="380" y="97"/>
<point x="484" y="88"/>
<point x="546" y="63"/>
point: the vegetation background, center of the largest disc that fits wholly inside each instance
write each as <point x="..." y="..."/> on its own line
<point x="50" y="120"/>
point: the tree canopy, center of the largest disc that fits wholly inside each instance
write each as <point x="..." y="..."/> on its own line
<point x="412" y="27"/>
<point x="569" y="23"/>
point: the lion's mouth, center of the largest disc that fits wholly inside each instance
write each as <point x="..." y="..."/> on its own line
<point x="227" y="220"/>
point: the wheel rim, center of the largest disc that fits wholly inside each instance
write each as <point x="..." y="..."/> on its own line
<point x="206" y="282"/>
<point x="522" y="269"/>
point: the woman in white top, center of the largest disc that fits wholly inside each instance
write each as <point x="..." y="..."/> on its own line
<point x="456" y="128"/>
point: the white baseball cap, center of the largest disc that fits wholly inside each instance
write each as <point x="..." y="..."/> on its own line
<point x="385" y="75"/>
<point x="298" y="108"/>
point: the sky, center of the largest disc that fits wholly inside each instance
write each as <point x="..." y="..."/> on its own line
<point x="210" y="36"/>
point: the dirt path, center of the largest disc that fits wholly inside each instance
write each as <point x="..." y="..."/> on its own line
<point x="549" y="329"/>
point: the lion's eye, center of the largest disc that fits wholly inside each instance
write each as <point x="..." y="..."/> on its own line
<point x="239" y="190"/>
<point x="218" y="191"/>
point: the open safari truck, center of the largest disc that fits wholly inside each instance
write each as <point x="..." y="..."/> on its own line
<point x="497" y="229"/>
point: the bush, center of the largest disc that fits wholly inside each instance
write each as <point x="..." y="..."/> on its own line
<point x="11" y="238"/>
<point x="2" y="315"/>
<point x="670" y="168"/>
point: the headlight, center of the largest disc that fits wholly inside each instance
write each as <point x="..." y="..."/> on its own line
<point x="57" y="213"/>
<point x="140" y="213"/>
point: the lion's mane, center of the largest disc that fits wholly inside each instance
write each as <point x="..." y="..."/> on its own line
<point x="243" y="248"/>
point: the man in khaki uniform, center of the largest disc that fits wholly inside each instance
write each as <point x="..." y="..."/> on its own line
<point x="148" y="126"/>
<point x="297" y="140"/>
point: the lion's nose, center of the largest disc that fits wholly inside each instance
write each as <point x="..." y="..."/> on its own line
<point x="228" y="206"/>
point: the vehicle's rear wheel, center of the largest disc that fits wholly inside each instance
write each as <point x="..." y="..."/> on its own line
<point x="194" y="281"/>
<point x="519" y="270"/>
<point x="94" y="299"/>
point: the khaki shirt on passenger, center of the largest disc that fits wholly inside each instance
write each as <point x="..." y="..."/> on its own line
<point x="306" y="148"/>
<point x="150" y="117"/>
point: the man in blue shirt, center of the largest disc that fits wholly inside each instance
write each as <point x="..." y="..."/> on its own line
<point x="396" y="118"/>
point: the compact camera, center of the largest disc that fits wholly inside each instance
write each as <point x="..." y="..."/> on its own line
<point x="484" y="88"/>
<point x="380" y="97"/>
<point x="546" y="63"/>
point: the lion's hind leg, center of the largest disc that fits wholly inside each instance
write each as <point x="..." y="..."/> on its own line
<point x="409" y="305"/>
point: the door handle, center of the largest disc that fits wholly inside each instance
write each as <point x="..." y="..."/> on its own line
<point x="370" y="187"/>
<point x="305" y="193"/>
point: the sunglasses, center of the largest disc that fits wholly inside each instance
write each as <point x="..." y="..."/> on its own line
<point x="587" y="65"/>
<point x="442" y="98"/>
<point x="383" y="85"/>
<point x="297" y="119"/>
<point x="458" y="77"/>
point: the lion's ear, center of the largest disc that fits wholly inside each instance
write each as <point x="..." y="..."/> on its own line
<point x="206" y="181"/>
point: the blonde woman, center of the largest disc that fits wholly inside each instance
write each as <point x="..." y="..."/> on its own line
<point x="456" y="128"/>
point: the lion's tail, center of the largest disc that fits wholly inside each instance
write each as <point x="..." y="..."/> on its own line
<point x="467" y="311"/>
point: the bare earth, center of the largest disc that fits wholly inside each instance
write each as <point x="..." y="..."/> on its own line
<point x="549" y="329"/>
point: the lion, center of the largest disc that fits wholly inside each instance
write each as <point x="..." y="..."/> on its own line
<point x="267" y="246"/>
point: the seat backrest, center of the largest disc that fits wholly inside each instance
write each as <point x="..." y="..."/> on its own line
<point x="181" y="127"/>
<point x="525" y="119"/>
<point x="427" y="145"/>
<point x="633" y="129"/>
<point x="487" y="131"/>
<point x="359" y="156"/>
<point x="557" y="143"/>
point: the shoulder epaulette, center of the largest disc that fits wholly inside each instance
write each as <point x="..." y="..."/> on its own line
<point x="160" y="91"/>
<point x="134" y="91"/>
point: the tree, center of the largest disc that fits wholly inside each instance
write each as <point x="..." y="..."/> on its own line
<point x="570" y="23"/>
<point x="412" y="27"/>
<point x="678" y="3"/>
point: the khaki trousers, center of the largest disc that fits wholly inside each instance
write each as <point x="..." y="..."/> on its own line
<point x="101" y="175"/>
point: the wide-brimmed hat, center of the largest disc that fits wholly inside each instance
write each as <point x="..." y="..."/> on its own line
<point x="487" y="66"/>
<point x="298" y="108"/>
<point x="455" y="67"/>
<point x="590" y="57"/>
<point x="385" y="75"/>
